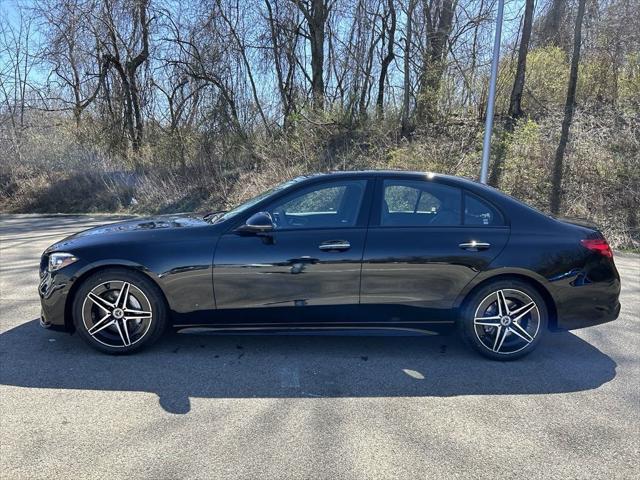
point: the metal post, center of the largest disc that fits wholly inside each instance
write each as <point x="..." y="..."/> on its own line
<point x="488" y="126"/>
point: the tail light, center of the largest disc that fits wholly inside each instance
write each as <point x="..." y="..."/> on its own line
<point x="598" y="245"/>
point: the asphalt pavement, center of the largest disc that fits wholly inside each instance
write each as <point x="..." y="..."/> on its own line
<point x="248" y="406"/>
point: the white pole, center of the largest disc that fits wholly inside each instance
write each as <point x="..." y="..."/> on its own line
<point x="488" y="126"/>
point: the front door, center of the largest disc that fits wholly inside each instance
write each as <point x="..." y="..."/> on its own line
<point x="308" y="264"/>
<point x="420" y="251"/>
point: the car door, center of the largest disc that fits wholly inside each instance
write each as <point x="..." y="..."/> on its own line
<point x="309" y="262"/>
<point x="426" y="241"/>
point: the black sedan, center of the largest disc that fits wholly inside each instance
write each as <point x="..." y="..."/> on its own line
<point x="365" y="251"/>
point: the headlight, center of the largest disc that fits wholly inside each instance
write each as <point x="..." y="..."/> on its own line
<point x="58" y="260"/>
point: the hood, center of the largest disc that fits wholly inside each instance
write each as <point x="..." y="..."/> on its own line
<point x="147" y="223"/>
<point x="134" y="227"/>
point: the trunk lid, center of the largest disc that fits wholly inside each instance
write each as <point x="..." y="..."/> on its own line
<point x="580" y="222"/>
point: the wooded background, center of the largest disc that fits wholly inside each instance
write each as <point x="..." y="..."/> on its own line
<point x="166" y="105"/>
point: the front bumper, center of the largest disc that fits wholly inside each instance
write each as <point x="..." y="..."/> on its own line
<point x="53" y="290"/>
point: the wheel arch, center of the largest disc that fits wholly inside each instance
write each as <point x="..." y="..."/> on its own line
<point x="533" y="282"/>
<point x="92" y="269"/>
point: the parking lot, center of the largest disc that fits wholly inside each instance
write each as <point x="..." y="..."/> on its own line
<point x="248" y="406"/>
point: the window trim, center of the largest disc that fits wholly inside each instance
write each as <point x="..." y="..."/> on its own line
<point x="362" y="220"/>
<point x="375" y="215"/>
<point x="376" y="220"/>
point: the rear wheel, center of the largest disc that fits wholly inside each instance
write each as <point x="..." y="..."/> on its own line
<point x="119" y="311"/>
<point x="504" y="320"/>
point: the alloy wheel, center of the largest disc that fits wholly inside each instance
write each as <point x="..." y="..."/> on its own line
<point x="506" y="321"/>
<point x="117" y="314"/>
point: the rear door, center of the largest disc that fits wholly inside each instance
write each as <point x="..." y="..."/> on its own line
<point x="427" y="240"/>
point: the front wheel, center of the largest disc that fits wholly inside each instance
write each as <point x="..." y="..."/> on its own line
<point x="119" y="311"/>
<point x="504" y="320"/>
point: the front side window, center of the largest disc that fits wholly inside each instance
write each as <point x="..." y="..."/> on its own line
<point x="410" y="203"/>
<point x="331" y="205"/>
<point x="243" y="207"/>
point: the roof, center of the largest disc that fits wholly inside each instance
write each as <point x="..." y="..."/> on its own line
<point x="470" y="184"/>
<point x="398" y="173"/>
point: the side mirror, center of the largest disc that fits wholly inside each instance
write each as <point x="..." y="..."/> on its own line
<point x="260" y="222"/>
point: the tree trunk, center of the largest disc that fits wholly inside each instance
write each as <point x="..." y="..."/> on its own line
<point x="247" y="65"/>
<point x="127" y="68"/>
<point x="276" y="57"/>
<point x="515" y="102"/>
<point x="136" y="110"/>
<point x="390" y="29"/>
<point x="316" y="15"/>
<point x="406" y="95"/>
<point x="552" y="23"/>
<point x="438" y="32"/>
<point x="367" y="78"/>
<point x="556" y="182"/>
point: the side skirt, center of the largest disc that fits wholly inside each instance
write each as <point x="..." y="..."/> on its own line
<point x="361" y="329"/>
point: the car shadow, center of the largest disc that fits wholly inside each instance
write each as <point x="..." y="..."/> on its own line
<point x="184" y="366"/>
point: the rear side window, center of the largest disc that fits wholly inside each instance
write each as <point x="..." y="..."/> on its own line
<point x="415" y="203"/>
<point x="479" y="212"/>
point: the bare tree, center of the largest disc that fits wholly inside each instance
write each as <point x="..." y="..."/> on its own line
<point x="316" y="13"/>
<point x="515" y="101"/>
<point x="17" y="64"/>
<point x="126" y="54"/>
<point x="242" y="51"/>
<point x="72" y="54"/>
<point x="406" y="72"/>
<point x="438" y="19"/>
<point x="558" y="164"/>
<point x="17" y="61"/>
<point x="284" y="32"/>
<point x="388" y="37"/>
<point x="551" y="28"/>
<point x="367" y="44"/>
<point x="202" y="55"/>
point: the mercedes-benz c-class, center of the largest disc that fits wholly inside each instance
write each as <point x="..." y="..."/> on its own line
<point x="362" y="251"/>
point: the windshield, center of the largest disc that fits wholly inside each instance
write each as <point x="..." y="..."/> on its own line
<point x="251" y="202"/>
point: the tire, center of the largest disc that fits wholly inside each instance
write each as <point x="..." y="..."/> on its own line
<point x="501" y="333"/>
<point x="119" y="311"/>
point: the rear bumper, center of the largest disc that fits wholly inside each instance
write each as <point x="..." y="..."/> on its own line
<point x="596" y="315"/>
<point x="581" y="306"/>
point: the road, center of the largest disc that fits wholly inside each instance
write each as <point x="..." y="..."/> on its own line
<point x="231" y="406"/>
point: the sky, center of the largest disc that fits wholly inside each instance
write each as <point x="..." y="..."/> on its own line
<point x="10" y="16"/>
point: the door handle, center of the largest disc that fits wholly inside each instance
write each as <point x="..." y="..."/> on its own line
<point x="474" y="246"/>
<point x="335" y="245"/>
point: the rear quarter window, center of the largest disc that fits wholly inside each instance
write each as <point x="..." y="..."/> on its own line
<point x="480" y="212"/>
